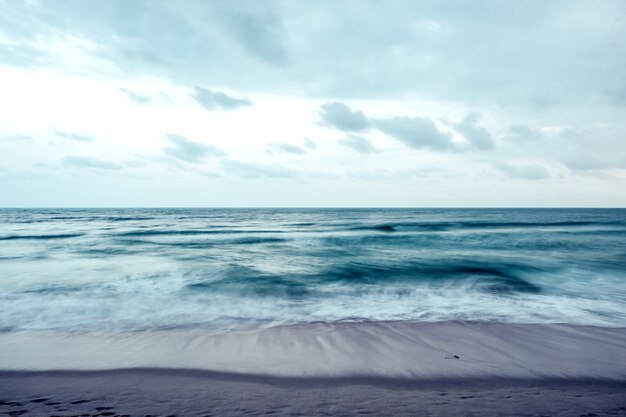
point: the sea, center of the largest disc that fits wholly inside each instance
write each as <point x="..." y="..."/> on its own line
<point x="137" y="269"/>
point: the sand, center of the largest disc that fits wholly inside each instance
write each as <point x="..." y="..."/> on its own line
<point x="201" y="393"/>
<point x="381" y="368"/>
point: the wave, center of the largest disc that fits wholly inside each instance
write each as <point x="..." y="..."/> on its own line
<point x="257" y="286"/>
<point x="322" y="227"/>
<point x="53" y="290"/>
<point x="194" y="232"/>
<point x="50" y="236"/>
<point x="194" y="244"/>
<point x="125" y="219"/>
<point x="378" y="228"/>
<point x="502" y="279"/>
<point x="445" y="226"/>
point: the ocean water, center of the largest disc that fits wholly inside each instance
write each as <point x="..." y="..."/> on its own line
<point x="221" y="269"/>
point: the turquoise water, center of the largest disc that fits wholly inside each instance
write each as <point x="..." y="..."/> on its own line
<point x="139" y="269"/>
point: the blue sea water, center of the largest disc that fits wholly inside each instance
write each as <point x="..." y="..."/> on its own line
<point x="146" y="269"/>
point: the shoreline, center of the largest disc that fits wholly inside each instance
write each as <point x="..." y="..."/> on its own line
<point x="392" y="350"/>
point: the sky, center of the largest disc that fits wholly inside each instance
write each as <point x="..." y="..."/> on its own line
<point x="312" y="103"/>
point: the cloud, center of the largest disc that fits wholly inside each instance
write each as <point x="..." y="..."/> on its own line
<point x="138" y="98"/>
<point x="358" y="143"/>
<point x="395" y="175"/>
<point x="88" y="162"/>
<point x="254" y="170"/>
<point x="416" y="132"/>
<point x="523" y="132"/>
<point x="74" y="136"/>
<point x="477" y="136"/>
<point x="341" y="117"/>
<point x="362" y="68"/>
<point x="590" y="162"/>
<point x="19" y="139"/>
<point x="259" y="29"/>
<point x="306" y="147"/>
<point x="617" y="96"/>
<point x="190" y="151"/>
<point x="216" y="100"/>
<point x="352" y="49"/>
<point x="526" y="171"/>
<point x="309" y="144"/>
<point x="287" y="148"/>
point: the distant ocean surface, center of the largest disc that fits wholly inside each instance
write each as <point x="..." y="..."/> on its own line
<point x="220" y="269"/>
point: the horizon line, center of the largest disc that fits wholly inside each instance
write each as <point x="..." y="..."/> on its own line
<point x="312" y="207"/>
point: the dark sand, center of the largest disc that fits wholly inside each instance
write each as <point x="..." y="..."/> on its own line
<point x="143" y="392"/>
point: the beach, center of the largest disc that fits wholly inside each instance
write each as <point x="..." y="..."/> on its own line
<point x="190" y="393"/>
<point x="428" y="312"/>
<point x="392" y="368"/>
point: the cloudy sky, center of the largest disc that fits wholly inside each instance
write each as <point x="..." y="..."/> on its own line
<point x="312" y="103"/>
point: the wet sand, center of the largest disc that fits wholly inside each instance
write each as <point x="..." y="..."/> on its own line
<point x="426" y="351"/>
<point x="158" y="392"/>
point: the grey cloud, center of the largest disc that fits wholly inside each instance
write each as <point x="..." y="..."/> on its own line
<point x="342" y="117"/>
<point x="259" y="29"/>
<point x="74" y="136"/>
<point x="590" y="162"/>
<point x="358" y="143"/>
<point x="477" y="136"/>
<point x="579" y="148"/>
<point x="189" y="151"/>
<point x="88" y="162"/>
<point x="216" y="100"/>
<point x="523" y="132"/>
<point x="287" y="148"/>
<point x="253" y="170"/>
<point x="309" y="144"/>
<point x="416" y="132"/>
<point x="527" y="171"/>
<point x="341" y="49"/>
<point x="138" y="98"/>
<point x="617" y="96"/>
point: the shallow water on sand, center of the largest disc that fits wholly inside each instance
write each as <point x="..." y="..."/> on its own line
<point x="139" y="269"/>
